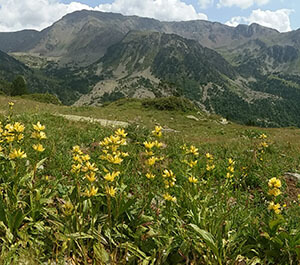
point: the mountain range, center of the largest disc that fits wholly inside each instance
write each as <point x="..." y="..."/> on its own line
<point x="249" y="74"/>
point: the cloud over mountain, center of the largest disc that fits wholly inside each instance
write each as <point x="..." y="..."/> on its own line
<point x="38" y="14"/>
<point x="279" y="19"/>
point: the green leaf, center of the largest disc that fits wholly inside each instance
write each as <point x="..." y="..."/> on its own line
<point x="274" y="224"/>
<point x="101" y="254"/>
<point x="208" y="239"/>
<point x="2" y="213"/>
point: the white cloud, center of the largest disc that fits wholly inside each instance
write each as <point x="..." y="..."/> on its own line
<point x="33" y="14"/>
<point x="39" y="14"/>
<point x="165" y="10"/>
<point x="242" y="3"/>
<point x="205" y="3"/>
<point x="279" y="19"/>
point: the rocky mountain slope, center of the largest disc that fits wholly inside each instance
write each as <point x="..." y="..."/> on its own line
<point x="84" y="36"/>
<point x="248" y="73"/>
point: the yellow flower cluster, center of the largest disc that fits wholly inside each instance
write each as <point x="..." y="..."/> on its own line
<point x="274" y="185"/>
<point x="262" y="146"/>
<point x="169" y="197"/>
<point x="170" y="178"/>
<point x="81" y="163"/>
<point x="110" y="147"/>
<point x="230" y="169"/>
<point x="275" y="207"/>
<point x="191" y="155"/>
<point x="17" y="154"/>
<point x="209" y="162"/>
<point x="151" y="150"/>
<point x="12" y="132"/>
<point x="157" y="132"/>
<point x="113" y="155"/>
<point x="11" y="105"/>
<point x="39" y="135"/>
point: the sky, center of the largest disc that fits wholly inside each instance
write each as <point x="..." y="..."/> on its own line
<point x="38" y="14"/>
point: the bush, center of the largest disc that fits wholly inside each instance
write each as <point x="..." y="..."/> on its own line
<point x="170" y="103"/>
<point x="45" y="98"/>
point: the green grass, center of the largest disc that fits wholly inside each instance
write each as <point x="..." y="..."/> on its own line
<point x="45" y="215"/>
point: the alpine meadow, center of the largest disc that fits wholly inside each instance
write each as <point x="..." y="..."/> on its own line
<point x="129" y="140"/>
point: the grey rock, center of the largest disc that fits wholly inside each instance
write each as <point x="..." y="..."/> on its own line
<point x="294" y="175"/>
<point x="191" y="117"/>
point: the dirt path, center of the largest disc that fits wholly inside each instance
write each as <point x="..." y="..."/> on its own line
<point x="102" y="122"/>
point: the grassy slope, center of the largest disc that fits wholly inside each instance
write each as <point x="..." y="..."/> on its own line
<point x="207" y="130"/>
<point x="223" y="141"/>
<point x="233" y="139"/>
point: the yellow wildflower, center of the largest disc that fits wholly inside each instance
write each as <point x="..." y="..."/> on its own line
<point x="111" y="176"/>
<point x="168" y="197"/>
<point x="230" y="169"/>
<point x="149" y="145"/>
<point x="114" y="159"/>
<point x="150" y="176"/>
<point x="120" y="132"/>
<point x="92" y="192"/>
<point x="11" y="104"/>
<point x="149" y="153"/>
<point x="91" y="176"/>
<point x="77" y="158"/>
<point x="170" y="183"/>
<point x="274" y="183"/>
<point x="168" y="173"/>
<point x="157" y="131"/>
<point x="229" y="176"/>
<point x="274" y="207"/>
<point x="151" y="161"/>
<point x="9" y="127"/>
<point x="38" y="127"/>
<point x="76" y="168"/>
<point x="274" y="192"/>
<point x="20" y="137"/>
<point x="39" y="135"/>
<point x="18" y="127"/>
<point x="193" y="180"/>
<point x="193" y="150"/>
<point x="111" y="191"/>
<point x="17" y="154"/>
<point x="85" y="158"/>
<point x="263" y="136"/>
<point x="76" y="149"/>
<point x="210" y="167"/>
<point x="89" y="167"/>
<point x="192" y="163"/>
<point x="264" y="145"/>
<point x="158" y="144"/>
<point x="10" y="139"/>
<point x="231" y="161"/>
<point x="38" y="148"/>
<point x="209" y="156"/>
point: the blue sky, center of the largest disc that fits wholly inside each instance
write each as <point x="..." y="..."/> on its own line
<point x="38" y="14"/>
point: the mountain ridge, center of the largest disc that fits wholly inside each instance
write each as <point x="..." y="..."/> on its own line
<point x="245" y="73"/>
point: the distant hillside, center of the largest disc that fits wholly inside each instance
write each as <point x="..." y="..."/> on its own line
<point x="84" y="36"/>
<point x="249" y="74"/>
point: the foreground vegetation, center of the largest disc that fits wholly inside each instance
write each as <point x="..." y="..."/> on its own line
<point x="78" y="193"/>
